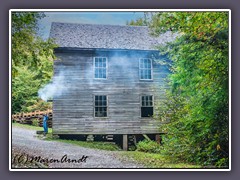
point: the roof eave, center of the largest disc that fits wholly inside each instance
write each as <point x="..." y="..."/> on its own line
<point x="76" y="49"/>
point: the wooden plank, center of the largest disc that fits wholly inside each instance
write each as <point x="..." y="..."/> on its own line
<point x="125" y="142"/>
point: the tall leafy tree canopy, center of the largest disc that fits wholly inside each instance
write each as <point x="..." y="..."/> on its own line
<point x="197" y="104"/>
<point x="32" y="60"/>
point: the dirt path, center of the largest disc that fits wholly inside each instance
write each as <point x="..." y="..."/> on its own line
<point x="25" y="140"/>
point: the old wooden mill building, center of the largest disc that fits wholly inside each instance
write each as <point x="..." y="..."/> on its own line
<point x="111" y="80"/>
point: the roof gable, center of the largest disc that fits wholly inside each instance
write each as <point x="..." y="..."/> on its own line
<point x="106" y="36"/>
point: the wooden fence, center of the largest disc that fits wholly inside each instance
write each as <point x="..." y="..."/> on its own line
<point x="27" y="118"/>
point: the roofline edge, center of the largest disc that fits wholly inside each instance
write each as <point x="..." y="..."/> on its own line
<point x="75" y="49"/>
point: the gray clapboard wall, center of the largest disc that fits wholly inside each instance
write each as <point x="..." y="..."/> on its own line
<point x="73" y="109"/>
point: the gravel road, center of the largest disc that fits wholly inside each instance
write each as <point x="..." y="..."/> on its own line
<point x="25" y="140"/>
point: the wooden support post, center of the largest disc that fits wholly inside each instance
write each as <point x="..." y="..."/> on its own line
<point x="158" y="138"/>
<point x="125" y="142"/>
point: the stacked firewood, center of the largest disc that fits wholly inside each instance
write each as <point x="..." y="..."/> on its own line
<point x="27" y="118"/>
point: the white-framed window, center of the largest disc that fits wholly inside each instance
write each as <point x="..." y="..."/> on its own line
<point x="100" y="106"/>
<point x="145" y="69"/>
<point x="146" y="106"/>
<point x="100" y="68"/>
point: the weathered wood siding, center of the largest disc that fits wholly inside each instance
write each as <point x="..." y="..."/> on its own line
<point x="73" y="110"/>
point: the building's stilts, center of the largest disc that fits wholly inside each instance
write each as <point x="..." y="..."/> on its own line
<point x="125" y="142"/>
<point x="158" y="138"/>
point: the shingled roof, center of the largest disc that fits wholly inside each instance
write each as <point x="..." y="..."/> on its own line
<point x="93" y="36"/>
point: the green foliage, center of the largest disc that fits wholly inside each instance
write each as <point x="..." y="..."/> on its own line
<point x="35" y="122"/>
<point x="148" y="146"/>
<point x="197" y="102"/>
<point x="94" y="145"/>
<point x="27" y="48"/>
<point x="155" y="160"/>
<point x="25" y="88"/>
<point x="143" y="21"/>
<point x="138" y="22"/>
<point x="32" y="62"/>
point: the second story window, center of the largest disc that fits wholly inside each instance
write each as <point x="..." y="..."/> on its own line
<point x="145" y="69"/>
<point x="100" y="67"/>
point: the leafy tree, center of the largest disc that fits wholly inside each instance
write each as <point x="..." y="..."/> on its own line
<point x="32" y="61"/>
<point x="25" y="88"/>
<point x="197" y="102"/>
<point x="28" y="49"/>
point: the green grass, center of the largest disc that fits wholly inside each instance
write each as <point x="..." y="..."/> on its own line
<point x="151" y="160"/>
<point x="26" y="126"/>
<point x="94" y="145"/>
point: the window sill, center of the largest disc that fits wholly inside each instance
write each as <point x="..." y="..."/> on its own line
<point x="100" y="78"/>
<point x="101" y="118"/>
<point x="150" y="80"/>
<point x="147" y="118"/>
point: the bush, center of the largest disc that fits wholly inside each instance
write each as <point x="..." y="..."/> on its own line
<point x="35" y="122"/>
<point x="148" y="146"/>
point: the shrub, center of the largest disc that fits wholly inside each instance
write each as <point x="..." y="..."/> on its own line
<point x="148" y="146"/>
<point x="35" y="122"/>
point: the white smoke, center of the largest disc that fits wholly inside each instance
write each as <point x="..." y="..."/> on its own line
<point x="124" y="66"/>
<point x="53" y="89"/>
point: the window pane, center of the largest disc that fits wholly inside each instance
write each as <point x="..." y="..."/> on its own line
<point x="104" y="64"/>
<point x="96" y="103"/>
<point x="104" y="103"/>
<point x="149" y="64"/>
<point x="147" y="101"/>
<point x="96" y="63"/>
<point x="145" y="64"/>
<point x="150" y="98"/>
<point x="149" y="74"/>
<point x="145" y="74"/>
<point x="104" y="74"/>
